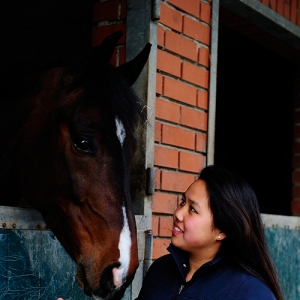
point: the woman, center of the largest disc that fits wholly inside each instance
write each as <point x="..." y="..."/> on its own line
<point x="218" y="249"/>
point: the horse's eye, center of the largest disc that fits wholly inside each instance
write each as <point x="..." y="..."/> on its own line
<point x="82" y="145"/>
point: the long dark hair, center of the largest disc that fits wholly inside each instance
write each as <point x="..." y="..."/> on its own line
<point x="236" y="213"/>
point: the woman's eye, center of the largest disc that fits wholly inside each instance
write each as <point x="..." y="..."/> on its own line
<point x="192" y="209"/>
<point x="182" y="202"/>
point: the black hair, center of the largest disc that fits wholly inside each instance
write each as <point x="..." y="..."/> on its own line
<point x="236" y="212"/>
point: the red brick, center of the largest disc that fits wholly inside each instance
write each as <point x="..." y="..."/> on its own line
<point x="295" y="207"/>
<point x="180" y="45"/>
<point x="159" y="83"/>
<point x="157" y="182"/>
<point x="155" y="222"/>
<point x="158" y="131"/>
<point x="191" y="6"/>
<point x="165" y="157"/>
<point x="105" y="11"/>
<point x="265" y="2"/>
<point x="100" y="33"/>
<point x="168" y="63"/>
<point x="177" y="136"/>
<point x="203" y="56"/>
<point x="123" y="9"/>
<point x="196" y="30"/>
<point x="293" y="17"/>
<point x="160" y="36"/>
<point x="122" y="56"/>
<point x="175" y="181"/>
<point x="164" y="203"/>
<point x="180" y="91"/>
<point x="296" y="177"/>
<point x="193" y="118"/>
<point x="165" y="226"/>
<point x="202" y="99"/>
<point x="279" y="7"/>
<point x="296" y="192"/>
<point x="195" y="74"/>
<point x="272" y="4"/>
<point x="167" y="110"/>
<point x="205" y="12"/>
<point x="170" y="17"/>
<point x="201" y="142"/>
<point x="286" y="10"/>
<point x="160" y="247"/>
<point x="191" y="162"/>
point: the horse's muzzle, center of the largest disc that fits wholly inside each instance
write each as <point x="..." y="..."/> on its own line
<point x="112" y="284"/>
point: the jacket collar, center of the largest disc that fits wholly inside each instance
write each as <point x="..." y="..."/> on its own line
<point x="182" y="260"/>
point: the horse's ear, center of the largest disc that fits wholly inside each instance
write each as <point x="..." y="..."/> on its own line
<point x="132" y="69"/>
<point x="103" y="53"/>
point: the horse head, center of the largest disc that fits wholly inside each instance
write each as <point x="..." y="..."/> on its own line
<point x="71" y="161"/>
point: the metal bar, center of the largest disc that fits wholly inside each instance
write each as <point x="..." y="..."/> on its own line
<point x="148" y="250"/>
<point x="213" y="83"/>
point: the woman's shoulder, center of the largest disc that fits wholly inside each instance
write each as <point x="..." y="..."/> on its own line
<point x="246" y="286"/>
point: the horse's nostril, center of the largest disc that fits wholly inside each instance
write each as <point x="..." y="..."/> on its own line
<point x="117" y="276"/>
<point x="107" y="281"/>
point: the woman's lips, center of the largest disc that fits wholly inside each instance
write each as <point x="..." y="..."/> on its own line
<point x="176" y="230"/>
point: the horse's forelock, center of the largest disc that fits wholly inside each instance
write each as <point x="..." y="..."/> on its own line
<point x="109" y="92"/>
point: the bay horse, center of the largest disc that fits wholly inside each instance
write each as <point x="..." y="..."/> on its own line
<point x="67" y="143"/>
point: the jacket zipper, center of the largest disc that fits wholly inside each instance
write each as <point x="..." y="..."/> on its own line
<point x="180" y="289"/>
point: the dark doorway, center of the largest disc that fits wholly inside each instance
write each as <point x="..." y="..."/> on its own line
<point x="254" y="118"/>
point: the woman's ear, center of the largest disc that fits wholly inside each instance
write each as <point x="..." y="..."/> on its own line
<point x="221" y="236"/>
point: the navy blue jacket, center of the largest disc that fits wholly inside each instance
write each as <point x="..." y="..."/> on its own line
<point x="217" y="279"/>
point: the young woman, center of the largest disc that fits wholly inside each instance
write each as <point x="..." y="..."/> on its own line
<point x="218" y="249"/>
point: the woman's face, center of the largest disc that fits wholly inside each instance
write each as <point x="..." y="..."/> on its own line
<point x="193" y="229"/>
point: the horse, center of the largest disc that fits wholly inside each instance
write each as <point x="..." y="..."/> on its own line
<point x="67" y="144"/>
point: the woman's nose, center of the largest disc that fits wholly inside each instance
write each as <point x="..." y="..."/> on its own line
<point x="178" y="214"/>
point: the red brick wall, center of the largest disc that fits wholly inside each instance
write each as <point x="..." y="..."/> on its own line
<point x="289" y="9"/>
<point x="109" y="17"/>
<point x="181" y="108"/>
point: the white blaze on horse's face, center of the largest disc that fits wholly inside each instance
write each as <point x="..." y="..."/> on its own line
<point x="121" y="133"/>
<point x="124" y="248"/>
<point x="125" y="236"/>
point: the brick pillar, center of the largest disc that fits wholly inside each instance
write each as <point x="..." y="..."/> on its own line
<point x="181" y="108"/>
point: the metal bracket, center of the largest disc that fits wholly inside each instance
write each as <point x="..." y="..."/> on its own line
<point x="150" y="184"/>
